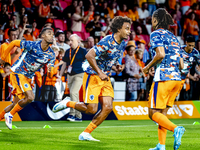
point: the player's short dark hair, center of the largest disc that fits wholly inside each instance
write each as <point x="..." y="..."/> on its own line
<point x="10" y="30"/>
<point x="6" y="64"/>
<point x="118" y="22"/>
<point x="163" y="17"/>
<point x="43" y="30"/>
<point x="190" y="39"/>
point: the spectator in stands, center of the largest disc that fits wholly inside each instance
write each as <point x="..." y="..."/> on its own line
<point x="9" y="25"/>
<point x="23" y="21"/>
<point x="160" y="3"/>
<point x="27" y="5"/>
<point x="36" y="31"/>
<point x="68" y="33"/>
<point x="173" y="28"/>
<point x="4" y="73"/>
<point x="133" y="36"/>
<point x="178" y="18"/>
<point x="36" y="3"/>
<point x="12" y="34"/>
<point x="123" y="11"/>
<point x="44" y="12"/>
<point x="89" y="13"/>
<point x="4" y="14"/>
<point x="61" y="40"/>
<point x="131" y="73"/>
<point x="69" y="11"/>
<point x="11" y="7"/>
<point x="151" y="6"/>
<point x="142" y="80"/>
<point x="90" y="43"/>
<point x="133" y="13"/>
<point x="143" y="13"/>
<point x="14" y="18"/>
<point x="185" y="5"/>
<point x="73" y="59"/>
<point x="191" y="27"/>
<point x="94" y="26"/>
<point x="56" y="9"/>
<point x="19" y="14"/>
<point x="27" y="33"/>
<point x="106" y="28"/>
<point x="112" y="10"/>
<point x="77" y="20"/>
<point x="104" y="9"/>
<point x="141" y="45"/>
<point x="80" y="4"/>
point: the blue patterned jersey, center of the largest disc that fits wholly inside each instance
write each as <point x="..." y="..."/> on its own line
<point x="168" y="69"/>
<point x="108" y="51"/>
<point x="189" y="59"/>
<point x="32" y="58"/>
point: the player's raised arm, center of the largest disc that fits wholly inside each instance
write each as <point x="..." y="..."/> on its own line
<point x="9" y="49"/>
<point x="90" y="56"/>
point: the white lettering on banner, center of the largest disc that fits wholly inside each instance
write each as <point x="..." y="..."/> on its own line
<point x="187" y="109"/>
<point x="122" y="110"/>
<point x="174" y="110"/>
<point x="131" y="111"/>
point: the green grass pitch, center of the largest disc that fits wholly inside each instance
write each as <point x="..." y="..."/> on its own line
<point x="114" y="135"/>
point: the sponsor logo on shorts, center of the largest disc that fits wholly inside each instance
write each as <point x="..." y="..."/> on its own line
<point x="91" y="97"/>
<point x="26" y="85"/>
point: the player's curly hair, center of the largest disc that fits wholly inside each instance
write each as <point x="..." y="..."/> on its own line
<point x="163" y="17"/>
<point x="118" y="22"/>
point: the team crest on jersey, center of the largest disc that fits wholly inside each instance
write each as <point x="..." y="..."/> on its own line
<point x="91" y="97"/>
<point x="26" y="85"/>
<point x="191" y="59"/>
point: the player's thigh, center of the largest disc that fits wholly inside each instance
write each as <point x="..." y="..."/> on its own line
<point x="29" y="95"/>
<point x="177" y="86"/>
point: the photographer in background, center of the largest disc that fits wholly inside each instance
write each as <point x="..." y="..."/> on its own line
<point x="27" y="33"/>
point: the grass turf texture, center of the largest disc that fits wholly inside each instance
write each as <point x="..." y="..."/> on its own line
<point x="114" y="135"/>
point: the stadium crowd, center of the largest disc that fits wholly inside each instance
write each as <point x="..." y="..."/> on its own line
<point x="90" y="20"/>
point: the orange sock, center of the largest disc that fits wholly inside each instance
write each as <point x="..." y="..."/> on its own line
<point x="163" y="121"/>
<point x="71" y="104"/>
<point x="2" y="115"/>
<point x="162" y="133"/>
<point x="16" y="109"/>
<point x="90" y="127"/>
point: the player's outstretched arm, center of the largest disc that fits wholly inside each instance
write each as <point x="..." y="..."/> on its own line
<point x="10" y="47"/>
<point x="90" y="56"/>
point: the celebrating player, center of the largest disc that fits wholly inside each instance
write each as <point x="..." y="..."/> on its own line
<point x="34" y="56"/>
<point x="96" y="83"/>
<point x="167" y="80"/>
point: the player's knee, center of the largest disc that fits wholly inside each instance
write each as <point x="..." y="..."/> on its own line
<point x="31" y="98"/>
<point x="108" y="108"/>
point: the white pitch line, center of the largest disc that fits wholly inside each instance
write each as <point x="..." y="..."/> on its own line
<point x="98" y="127"/>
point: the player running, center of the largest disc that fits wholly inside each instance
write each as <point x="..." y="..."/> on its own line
<point x="165" y="48"/>
<point x="34" y="56"/>
<point x="97" y="86"/>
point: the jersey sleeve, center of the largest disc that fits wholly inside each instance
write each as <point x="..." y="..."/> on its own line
<point x="101" y="47"/>
<point x="26" y="45"/>
<point x="156" y="40"/>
